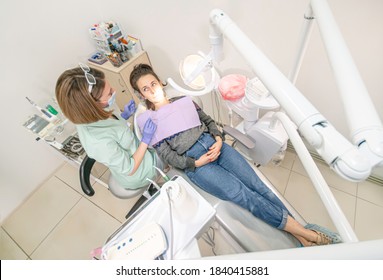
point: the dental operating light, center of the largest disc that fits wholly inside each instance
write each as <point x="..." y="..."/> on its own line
<point x="198" y="73"/>
<point x="195" y="66"/>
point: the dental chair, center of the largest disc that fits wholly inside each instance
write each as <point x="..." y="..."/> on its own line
<point x="113" y="186"/>
<point x="237" y="226"/>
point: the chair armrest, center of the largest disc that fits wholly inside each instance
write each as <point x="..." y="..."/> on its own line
<point x="242" y="138"/>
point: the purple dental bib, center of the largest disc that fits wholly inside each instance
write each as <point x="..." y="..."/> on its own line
<point x="171" y="119"/>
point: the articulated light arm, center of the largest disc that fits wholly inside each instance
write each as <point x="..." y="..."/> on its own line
<point x="204" y="91"/>
<point x="335" y="149"/>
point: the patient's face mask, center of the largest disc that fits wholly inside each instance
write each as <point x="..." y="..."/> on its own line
<point x="151" y="88"/>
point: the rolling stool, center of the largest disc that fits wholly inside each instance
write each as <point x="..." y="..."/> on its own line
<point x="114" y="187"/>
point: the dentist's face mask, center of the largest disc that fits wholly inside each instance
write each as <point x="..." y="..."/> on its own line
<point x="108" y="104"/>
<point x="112" y="99"/>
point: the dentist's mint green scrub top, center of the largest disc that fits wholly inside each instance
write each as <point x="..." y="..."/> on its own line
<point x="112" y="143"/>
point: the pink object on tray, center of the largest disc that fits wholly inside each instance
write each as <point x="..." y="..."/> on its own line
<point x="232" y="87"/>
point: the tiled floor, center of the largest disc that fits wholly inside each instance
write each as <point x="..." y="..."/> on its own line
<point x="59" y="222"/>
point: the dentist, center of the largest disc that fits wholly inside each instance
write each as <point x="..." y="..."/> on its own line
<point x="86" y="99"/>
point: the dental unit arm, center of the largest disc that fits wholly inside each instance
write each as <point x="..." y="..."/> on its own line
<point x="353" y="162"/>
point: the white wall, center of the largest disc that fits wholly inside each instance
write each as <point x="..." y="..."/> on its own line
<point x="42" y="38"/>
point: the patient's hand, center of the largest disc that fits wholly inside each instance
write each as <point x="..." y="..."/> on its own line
<point x="215" y="149"/>
<point x="207" y="158"/>
<point x="204" y="159"/>
<point x="212" y="154"/>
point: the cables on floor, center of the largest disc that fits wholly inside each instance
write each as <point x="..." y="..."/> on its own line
<point x="209" y="238"/>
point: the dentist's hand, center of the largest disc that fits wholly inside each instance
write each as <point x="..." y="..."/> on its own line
<point x="148" y="131"/>
<point x="129" y="110"/>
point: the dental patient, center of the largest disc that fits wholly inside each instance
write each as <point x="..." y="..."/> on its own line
<point x="188" y="139"/>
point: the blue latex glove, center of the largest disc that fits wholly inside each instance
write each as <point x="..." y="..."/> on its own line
<point x="129" y="110"/>
<point x="148" y="131"/>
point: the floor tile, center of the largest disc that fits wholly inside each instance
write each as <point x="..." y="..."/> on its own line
<point x="9" y="250"/>
<point x="371" y="192"/>
<point x="277" y="175"/>
<point x="69" y="174"/>
<point x="298" y="167"/>
<point x="302" y="195"/>
<point x="105" y="176"/>
<point x="368" y="221"/>
<point x="289" y="159"/>
<point x="113" y="205"/>
<point x="98" y="169"/>
<point x="35" y="219"/>
<point x="335" y="181"/>
<point x="85" y="228"/>
<point x="347" y="203"/>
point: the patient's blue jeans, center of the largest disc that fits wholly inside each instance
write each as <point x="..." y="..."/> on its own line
<point x="231" y="178"/>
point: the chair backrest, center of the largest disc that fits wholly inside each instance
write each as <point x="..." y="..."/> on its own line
<point x="85" y="171"/>
<point x="140" y="109"/>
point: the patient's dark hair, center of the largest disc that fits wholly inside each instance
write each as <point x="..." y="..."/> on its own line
<point x="139" y="71"/>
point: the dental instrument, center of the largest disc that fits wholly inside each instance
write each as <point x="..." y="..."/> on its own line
<point x="164" y="176"/>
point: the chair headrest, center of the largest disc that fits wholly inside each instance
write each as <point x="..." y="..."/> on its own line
<point x="140" y="109"/>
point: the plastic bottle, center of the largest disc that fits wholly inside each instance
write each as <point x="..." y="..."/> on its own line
<point x="51" y="109"/>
